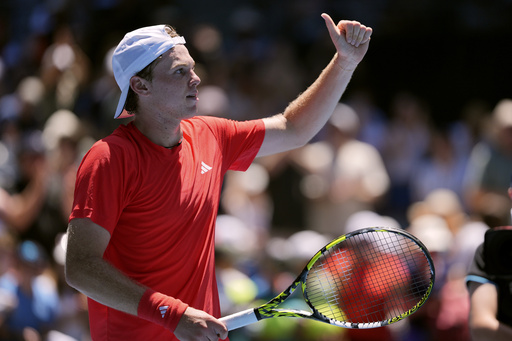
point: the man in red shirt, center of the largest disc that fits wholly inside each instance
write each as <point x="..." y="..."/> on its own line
<point x="141" y="231"/>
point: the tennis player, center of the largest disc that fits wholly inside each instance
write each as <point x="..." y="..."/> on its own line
<point x="141" y="230"/>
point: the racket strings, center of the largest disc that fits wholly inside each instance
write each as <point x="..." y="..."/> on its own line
<point x="370" y="277"/>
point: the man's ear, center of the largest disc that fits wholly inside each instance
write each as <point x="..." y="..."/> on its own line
<point x="139" y="85"/>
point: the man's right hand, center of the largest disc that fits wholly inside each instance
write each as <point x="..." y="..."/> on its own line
<point x="197" y="325"/>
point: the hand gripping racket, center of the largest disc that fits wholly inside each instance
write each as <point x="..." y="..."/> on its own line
<point x="368" y="278"/>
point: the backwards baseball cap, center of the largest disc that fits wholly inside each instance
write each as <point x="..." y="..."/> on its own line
<point x="136" y="51"/>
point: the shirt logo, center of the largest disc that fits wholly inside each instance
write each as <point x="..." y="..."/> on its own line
<point x="205" y="168"/>
<point x="163" y="310"/>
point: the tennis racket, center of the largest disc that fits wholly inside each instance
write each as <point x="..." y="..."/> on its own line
<point x="368" y="278"/>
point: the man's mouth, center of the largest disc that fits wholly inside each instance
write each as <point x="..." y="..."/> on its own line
<point x="193" y="96"/>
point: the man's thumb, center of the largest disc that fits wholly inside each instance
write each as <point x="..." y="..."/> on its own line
<point x="331" y="26"/>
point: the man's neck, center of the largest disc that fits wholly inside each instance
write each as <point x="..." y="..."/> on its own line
<point x="166" y="134"/>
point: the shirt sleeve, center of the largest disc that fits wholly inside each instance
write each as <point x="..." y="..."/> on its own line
<point x="99" y="187"/>
<point x="476" y="272"/>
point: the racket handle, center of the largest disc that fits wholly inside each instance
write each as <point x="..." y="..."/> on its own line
<point x="240" y="319"/>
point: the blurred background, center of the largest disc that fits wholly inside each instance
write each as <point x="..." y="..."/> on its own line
<point x="421" y="140"/>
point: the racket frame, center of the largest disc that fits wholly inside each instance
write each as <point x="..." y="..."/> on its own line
<point x="270" y="310"/>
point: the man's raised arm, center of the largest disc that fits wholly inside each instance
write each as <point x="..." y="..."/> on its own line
<point x="309" y="112"/>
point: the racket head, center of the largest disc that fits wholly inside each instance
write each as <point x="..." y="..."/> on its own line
<point x="369" y="278"/>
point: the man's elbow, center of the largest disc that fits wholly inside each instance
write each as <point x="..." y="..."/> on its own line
<point x="70" y="274"/>
<point x="483" y="328"/>
<point x="296" y="136"/>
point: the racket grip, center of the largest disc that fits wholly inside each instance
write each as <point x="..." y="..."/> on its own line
<point x="239" y="319"/>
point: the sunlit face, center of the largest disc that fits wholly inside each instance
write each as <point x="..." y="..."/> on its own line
<point x="173" y="90"/>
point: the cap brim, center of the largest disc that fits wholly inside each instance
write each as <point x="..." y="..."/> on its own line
<point x="120" y="112"/>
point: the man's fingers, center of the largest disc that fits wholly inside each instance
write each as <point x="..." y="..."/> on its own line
<point x="349" y="29"/>
<point x="328" y="20"/>
<point x="331" y="26"/>
<point x="221" y="332"/>
<point x="360" y="36"/>
<point x="354" y="32"/>
<point x="219" y="336"/>
<point x="367" y="35"/>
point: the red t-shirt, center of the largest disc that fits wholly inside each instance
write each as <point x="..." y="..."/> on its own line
<point x="159" y="206"/>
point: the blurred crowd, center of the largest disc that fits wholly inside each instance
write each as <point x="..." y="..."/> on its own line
<point x="370" y="166"/>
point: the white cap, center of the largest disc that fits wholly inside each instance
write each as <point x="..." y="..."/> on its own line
<point x="136" y="51"/>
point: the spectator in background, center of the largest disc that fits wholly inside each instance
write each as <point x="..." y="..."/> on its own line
<point x="245" y="196"/>
<point x="20" y="208"/>
<point x="35" y="293"/>
<point x="466" y="232"/>
<point x="104" y="95"/>
<point x="441" y="215"/>
<point x="373" y="120"/>
<point x="23" y="164"/>
<point x="489" y="168"/>
<point x="407" y="141"/>
<point x="7" y="299"/>
<point x="441" y="167"/>
<point x="467" y="131"/>
<point x="345" y="176"/>
<point x="19" y="126"/>
<point x="65" y="70"/>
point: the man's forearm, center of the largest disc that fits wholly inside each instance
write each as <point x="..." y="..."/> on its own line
<point x="483" y="323"/>
<point x="99" y="280"/>
<point x="88" y="272"/>
<point x="309" y="112"/>
<point x="105" y="284"/>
